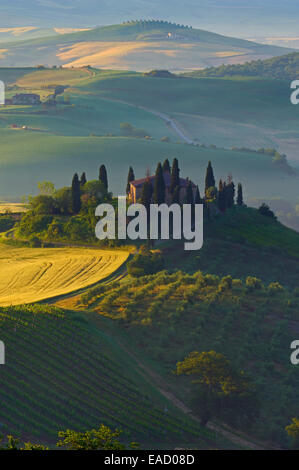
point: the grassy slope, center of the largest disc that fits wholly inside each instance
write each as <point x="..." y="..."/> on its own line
<point x="62" y="372"/>
<point x="254" y="329"/>
<point x="261" y="247"/>
<point x="204" y="48"/>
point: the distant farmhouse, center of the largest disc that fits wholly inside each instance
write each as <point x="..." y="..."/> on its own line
<point x="26" y="99"/>
<point x="137" y="185"/>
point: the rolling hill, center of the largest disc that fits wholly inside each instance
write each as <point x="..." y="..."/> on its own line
<point x="63" y="372"/>
<point x="194" y="306"/>
<point x="136" y="45"/>
<point x="260" y="18"/>
<point x="281" y="68"/>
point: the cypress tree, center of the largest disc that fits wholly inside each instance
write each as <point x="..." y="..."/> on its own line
<point x="175" y="176"/>
<point x="146" y="194"/>
<point x="131" y="177"/>
<point x="210" y="180"/>
<point x="76" y="194"/>
<point x="197" y="199"/>
<point x="166" y="166"/>
<point x="103" y="176"/>
<point x="176" y="195"/>
<point x="83" y="179"/>
<point x="189" y="193"/>
<point x="159" y="186"/>
<point x="221" y="197"/>
<point x="230" y="191"/>
<point x="240" y="195"/>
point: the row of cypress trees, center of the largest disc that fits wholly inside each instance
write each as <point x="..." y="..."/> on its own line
<point x="77" y="185"/>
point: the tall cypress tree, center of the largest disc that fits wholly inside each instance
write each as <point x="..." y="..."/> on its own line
<point x="240" y="195"/>
<point x="230" y="194"/>
<point x="146" y="194"/>
<point x="103" y="176"/>
<point x="131" y="177"/>
<point x="159" y="186"/>
<point x="175" y="175"/>
<point x="197" y="199"/>
<point x="166" y="166"/>
<point x="83" y="179"/>
<point x="76" y="194"/>
<point x="189" y="194"/>
<point x="221" y="197"/>
<point x="176" y="195"/>
<point x="210" y="180"/>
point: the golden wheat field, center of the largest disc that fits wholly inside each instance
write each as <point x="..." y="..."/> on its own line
<point x="31" y="274"/>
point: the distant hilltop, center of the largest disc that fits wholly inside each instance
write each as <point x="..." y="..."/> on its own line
<point x="139" y="45"/>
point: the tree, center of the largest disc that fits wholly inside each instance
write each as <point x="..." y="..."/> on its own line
<point x="76" y="194"/>
<point x="293" y="431"/>
<point x="240" y="195"/>
<point x="266" y="211"/>
<point x="175" y="175"/>
<point x="103" y="176"/>
<point x="176" y="195"/>
<point x="166" y="166"/>
<point x="146" y="193"/>
<point x="131" y="177"/>
<point x="83" y="179"/>
<point x="159" y="186"/>
<point x="102" y="438"/>
<point x="220" y="390"/>
<point x="197" y="199"/>
<point x="46" y="188"/>
<point x="230" y="194"/>
<point x="221" y="197"/>
<point x="189" y="193"/>
<point x="209" y="180"/>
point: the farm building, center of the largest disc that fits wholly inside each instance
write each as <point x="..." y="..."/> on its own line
<point x="136" y="188"/>
<point x="26" y="99"/>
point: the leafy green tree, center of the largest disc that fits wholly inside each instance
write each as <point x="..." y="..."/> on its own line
<point x="219" y="388"/>
<point x="240" y="195"/>
<point x="131" y="177"/>
<point x="76" y="194"/>
<point x="293" y="431"/>
<point x="175" y="176"/>
<point x="266" y="211"/>
<point x="103" y="176"/>
<point x="46" y="188"/>
<point x="159" y="186"/>
<point x="102" y="438"/>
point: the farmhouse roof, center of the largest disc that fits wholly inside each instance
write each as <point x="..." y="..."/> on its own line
<point x="167" y="179"/>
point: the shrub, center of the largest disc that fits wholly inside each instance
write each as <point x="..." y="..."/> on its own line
<point x="253" y="283"/>
<point x="275" y="287"/>
<point x="145" y="263"/>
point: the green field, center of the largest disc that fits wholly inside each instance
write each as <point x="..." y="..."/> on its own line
<point x="175" y="312"/>
<point x="74" y="137"/>
<point x="63" y="372"/>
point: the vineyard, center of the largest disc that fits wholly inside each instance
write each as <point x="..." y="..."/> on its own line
<point x="31" y="274"/>
<point x="62" y="372"/>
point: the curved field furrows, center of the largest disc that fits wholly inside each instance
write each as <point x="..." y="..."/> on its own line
<point x="30" y="275"/>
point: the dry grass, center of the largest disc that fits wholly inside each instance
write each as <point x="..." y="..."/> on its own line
<point x="29" y="275"/>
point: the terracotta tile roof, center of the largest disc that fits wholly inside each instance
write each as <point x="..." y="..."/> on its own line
<point x="167" y="178"/>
